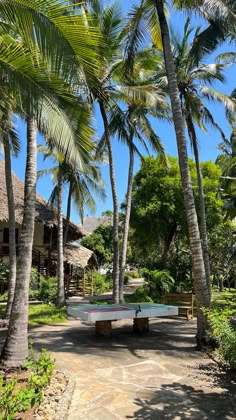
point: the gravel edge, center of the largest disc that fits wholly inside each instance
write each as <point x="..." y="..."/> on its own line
<point x="64" y="404"/>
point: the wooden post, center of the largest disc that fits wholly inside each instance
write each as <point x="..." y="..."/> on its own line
<point x="141" y="325"/>
<point x="83" y="282"/>
<point x="103" y="328"/>
<point x="92" y="281"/>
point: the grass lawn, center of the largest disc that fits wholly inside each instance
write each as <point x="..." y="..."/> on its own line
<point x="43" y="314"/>
<point x="223" y="299"/>
<point x="46" y="314"/>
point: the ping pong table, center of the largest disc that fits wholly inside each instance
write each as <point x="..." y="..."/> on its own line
<point x="103" y="315"/>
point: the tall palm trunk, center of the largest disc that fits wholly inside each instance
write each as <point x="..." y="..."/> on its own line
<point x="127" y="219"/>
<point x="15" y="349"/>
<point x="200" y="283"/>
<point x="115" y="207"/>
<point x="12" y="229"/>
<point x="203" y="227"/>
<point x="60" y="253"/>
<point x="68" y="214"/>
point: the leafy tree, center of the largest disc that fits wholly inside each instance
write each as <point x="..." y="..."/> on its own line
<point x="223" y="256"/>
<point x="158" y="214"/>
<point x="100" y="242"/>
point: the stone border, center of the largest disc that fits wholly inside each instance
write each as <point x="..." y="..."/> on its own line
<point x="65" y="401"/>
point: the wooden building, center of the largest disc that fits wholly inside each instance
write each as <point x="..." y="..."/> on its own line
<point x="44" y="256"/>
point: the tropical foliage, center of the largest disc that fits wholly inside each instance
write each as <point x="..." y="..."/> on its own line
<point x="66" y="64"/>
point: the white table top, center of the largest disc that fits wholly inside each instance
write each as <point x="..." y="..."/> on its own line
<point x="109" y="312"/>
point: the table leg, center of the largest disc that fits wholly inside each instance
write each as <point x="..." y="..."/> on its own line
<point x="141" y="325"/>
<point x="103" y="328"/>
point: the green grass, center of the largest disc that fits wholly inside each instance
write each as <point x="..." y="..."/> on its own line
<point x="46" y="314"/>
<point x="224" y="299"/>
<point x="43" y="314"/>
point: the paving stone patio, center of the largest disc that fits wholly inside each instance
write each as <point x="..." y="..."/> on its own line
<point x="155" y="376"/>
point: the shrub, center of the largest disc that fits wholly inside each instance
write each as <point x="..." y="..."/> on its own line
<point x="34" y="284"/>
<point x="15" y="398"/>
<point x="48" y="289"/>
<point x="133" y="274"/>
<point x="157" y="282"/>
<point x="101" y="283"/>
<point x="140" y="295"/>
<point x="224" y="334"/>
<point x="4" y="276"/>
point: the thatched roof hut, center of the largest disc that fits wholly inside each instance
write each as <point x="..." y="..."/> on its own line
<point x="45" y="214"/>
<point x="90" y="223"/>
<point x="77" y="255"/>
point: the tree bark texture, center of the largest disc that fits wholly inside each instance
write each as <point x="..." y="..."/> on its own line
<point x="15" y="349"/>
<point x="127" y="219"/>
<point x="167" y="244"/>
<point x="60" y="253"/>
<point x="203" y="227"/>
<point x="12" y="227"/>
<point x="68" y="215"/>
<point x="200" y="283"/>
<point x="115" y="207"/>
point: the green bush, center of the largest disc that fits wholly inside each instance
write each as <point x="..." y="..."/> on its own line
<point x="224" y="333"/>
<point x="15" y="398"/>
<point x="158" y="282"/>
<point x="48" y="289"/>
<point x="130" y="275"/>
<point x="134" y="274"/>
<point x="34" y="284"/>
<point x="140" y="295"/>
<point x="101" y="283"/>
<point x="4" y="276"/>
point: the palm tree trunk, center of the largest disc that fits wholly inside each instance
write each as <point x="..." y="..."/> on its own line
<point x="68" y="214"/>
<point x="200" y="283"/>
<point x="60" y="253"/>
<point x="12" y="228"/>
<point x="115" y="208"/>
<point x="167" y="244"/>
<point x="203" y="227"/>
<point x="15" y="349"/>
<point x="127" y="219"/>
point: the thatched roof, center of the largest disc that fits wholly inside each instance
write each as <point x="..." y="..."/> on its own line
<point x="45" y="214"/>
<point x="78" y="255"/>
<point x="90" y="223"/>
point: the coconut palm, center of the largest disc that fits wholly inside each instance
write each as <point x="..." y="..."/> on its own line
<point x="154" y="12"/>
<point x="38" y="85"/>
<point x="227" y="162"/>
<point x="195" y="87"/>
<point x="221" y="18"/>
<point x="108" y="20"/>
<point x="10" y="143"/>
<point x="130" y="125"/>
<point x="81" y="181"/>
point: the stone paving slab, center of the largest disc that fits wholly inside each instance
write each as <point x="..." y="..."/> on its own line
<point x="154" y="376"/>
<point x="158" y="375"/>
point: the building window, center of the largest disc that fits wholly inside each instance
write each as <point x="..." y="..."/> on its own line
<point x="6" y="235"/>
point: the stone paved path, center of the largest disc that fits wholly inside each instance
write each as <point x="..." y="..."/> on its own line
<point x="151" y="377"/>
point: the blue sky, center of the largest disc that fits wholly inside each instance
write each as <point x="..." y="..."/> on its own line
<point x="207" y="142"/>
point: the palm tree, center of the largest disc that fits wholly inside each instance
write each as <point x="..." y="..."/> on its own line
<point x="194" y="83"/>
<point x="155" y="10"/>
<point x="221" y="18"/>
<point x="108" y="21"/>
<point x="35" y="72"/>
<point x="11" y="145"/>
<point x="128" y="125"/>
<point x="80" y="180"/>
